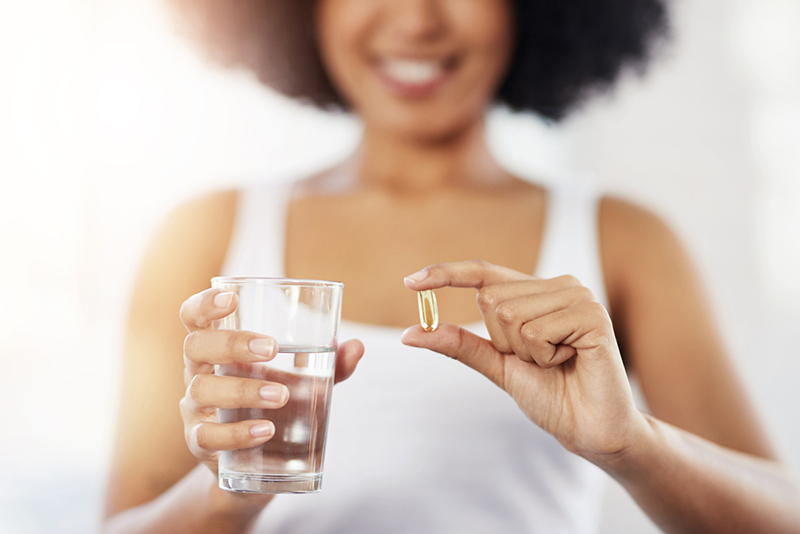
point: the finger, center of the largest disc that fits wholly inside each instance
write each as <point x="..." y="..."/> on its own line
<point x="205" y="348"/>
<point x="462" y="345"/>
<point x="348" y="355"/>
<point x="581" y="329"/>
<point x="207" y="438"/>
<point x="211" y="391"/>
<point x="201" y="309"/>
<point x="505" y="309"/>
<point x="498" y="293"/>
<point x="473" y="273"/>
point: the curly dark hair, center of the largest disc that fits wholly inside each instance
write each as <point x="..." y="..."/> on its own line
<point x="565" y="50"/>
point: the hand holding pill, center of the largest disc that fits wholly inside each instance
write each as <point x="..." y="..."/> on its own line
<point x="551" y="347"/>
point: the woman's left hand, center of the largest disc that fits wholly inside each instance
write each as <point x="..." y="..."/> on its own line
<point x="552" y="349"/>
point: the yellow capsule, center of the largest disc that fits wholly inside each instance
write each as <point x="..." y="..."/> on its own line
<point x="428" y="311"/>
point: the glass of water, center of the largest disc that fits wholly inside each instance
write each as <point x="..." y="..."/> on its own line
<point x="303" y="317"/>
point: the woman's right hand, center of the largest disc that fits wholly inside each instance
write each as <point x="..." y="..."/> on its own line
<point x="206" y="347"/>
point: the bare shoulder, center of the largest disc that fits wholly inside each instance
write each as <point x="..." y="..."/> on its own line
<point x="205" y="220"/>
<point x="646" y="268"/>
<point x="623" y="222"/>
<point x="639" y="250"/>
<point x="192" y="240"/>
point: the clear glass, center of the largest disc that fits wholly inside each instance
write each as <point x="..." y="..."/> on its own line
<point x="303" y="317"/>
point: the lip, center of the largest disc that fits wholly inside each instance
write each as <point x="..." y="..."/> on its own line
<point x="407" y="86"/>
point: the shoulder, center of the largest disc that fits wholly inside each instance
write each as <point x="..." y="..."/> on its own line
<point x="639" y="250"/>
<point x="200" y="225"/>
<point x="188" y="248"/>
<point x="203" y="212"/>
<point x="623" y="223"/>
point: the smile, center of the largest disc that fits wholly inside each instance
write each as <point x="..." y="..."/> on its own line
<point x="414" y="77"/>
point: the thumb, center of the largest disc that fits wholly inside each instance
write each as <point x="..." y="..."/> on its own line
<point x="462" y="345"/>
<point x="348" y="355"/>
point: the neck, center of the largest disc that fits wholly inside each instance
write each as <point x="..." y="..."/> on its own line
<point x="410" y="165"/>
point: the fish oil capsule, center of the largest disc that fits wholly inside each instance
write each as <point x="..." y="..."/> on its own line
<point x="428" y="311"/>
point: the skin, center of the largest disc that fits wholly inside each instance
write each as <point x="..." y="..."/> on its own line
<point x="424" y="175"/>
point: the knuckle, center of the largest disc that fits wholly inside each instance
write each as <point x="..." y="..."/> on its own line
<point x="199" y="436"/>
<point x="596" y="309"/>
<point x="458" y="344"/>
<point x="183" y="406"/>
<point x="183" y="313"/>
<point x="436" y="268"/>
<point x="505" y="314"/>
<point x="481" y="264"/>
<point x="543" y="354"/>
<point x="545" y="361"/>
<point x="189" y="343"/>
<point x="530" y="334"/>
<point x="202" y="319"/>
<point x="236" y="341"/>
<point x="243" y="390"/>
<point x="196" y="388"/>
<point x="502" y="345"/>
<point x="571" y="280"/>
<point x="194" y="310"/>
<point x="583" y="294"/>
<point x="242" y="435"/>
<point x="487" y="298"/>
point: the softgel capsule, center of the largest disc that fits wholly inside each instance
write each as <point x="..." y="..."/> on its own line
<point x="428" y="311"/>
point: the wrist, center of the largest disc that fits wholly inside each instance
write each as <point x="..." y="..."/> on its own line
<point x="640" y="454"/>
<point x="232" y="505"/>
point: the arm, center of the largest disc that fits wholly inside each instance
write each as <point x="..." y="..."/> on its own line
<point x="667" y="334"/>
<point x="688" y="484"/>
<point x="553" y="349"/>
<point x="706" y="456"/>
<point x="168" y="402"/>
<point x="194" y="504"/>
<point x="154" y="477"/>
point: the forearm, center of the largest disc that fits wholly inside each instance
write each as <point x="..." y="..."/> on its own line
<point x="193" y="505"/>
<point x="687" y="484"/>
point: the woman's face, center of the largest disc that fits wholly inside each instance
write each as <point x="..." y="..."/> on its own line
<point x="421" y="69"/>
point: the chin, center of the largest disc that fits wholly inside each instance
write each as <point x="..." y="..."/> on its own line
<point x="424" y="125"/>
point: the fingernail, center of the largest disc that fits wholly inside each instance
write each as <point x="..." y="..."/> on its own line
<point x="417" y="277"/>
<point x="224" y="299"/>
<point x="262" y="430"/>
<point x="272" y="393"/>
<point x="263" y="346"/>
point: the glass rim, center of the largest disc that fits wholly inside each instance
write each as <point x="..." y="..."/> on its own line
<point x="265" y="280"/>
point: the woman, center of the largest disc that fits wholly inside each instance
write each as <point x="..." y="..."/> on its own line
<point x="419" y="443"/>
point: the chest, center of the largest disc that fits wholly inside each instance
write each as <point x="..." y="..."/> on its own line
<point x="370" y="242"/>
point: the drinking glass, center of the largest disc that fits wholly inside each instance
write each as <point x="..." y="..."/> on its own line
<point x="303" y="317"/>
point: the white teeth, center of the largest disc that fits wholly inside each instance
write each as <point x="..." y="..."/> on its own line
<point x="408" y="71"/>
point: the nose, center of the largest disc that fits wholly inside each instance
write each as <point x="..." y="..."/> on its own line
<point x="419" y="19"/>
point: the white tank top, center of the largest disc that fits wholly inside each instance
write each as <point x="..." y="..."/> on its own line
<point x="419" y="443"/>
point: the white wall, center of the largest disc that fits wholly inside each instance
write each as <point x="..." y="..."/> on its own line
<point x="107" y="120"/>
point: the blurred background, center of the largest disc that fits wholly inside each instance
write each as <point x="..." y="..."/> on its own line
<point x="108" y="119"/>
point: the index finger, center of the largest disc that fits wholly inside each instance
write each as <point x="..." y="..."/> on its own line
<point x="473" y="273"/>
<point x="201" y="309"/>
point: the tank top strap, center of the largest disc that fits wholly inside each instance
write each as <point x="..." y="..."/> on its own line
<point x="571" y="243"/>
<point x="258" y="240"/>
